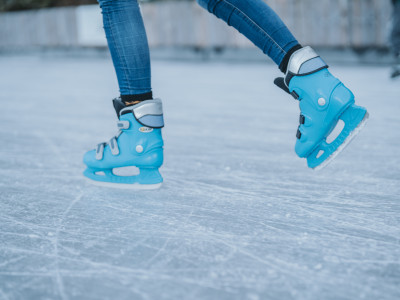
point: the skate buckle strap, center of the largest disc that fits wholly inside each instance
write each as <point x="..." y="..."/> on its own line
<point x="302" y="119"/>
<point x="114" y="146"/>
<point x="113" y="142"/>
<point x="298" y="133"/>
<point x="295" y="95"/>
<point x="304" y="62"/>
<point x="100" y="151"/>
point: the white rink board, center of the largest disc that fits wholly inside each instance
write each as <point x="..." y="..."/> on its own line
<point x="90" y="32"/>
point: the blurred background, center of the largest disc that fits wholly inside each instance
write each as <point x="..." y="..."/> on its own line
<point x="240" y="216"/>
<point x="359" y="28"/>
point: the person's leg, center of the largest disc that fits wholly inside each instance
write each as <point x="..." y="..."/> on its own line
<point x="139" y="141"/>
<point x="259" y="23"/>
<point x="323" y="98"/>
<point x="395" y="34"/>
<point x="395" y="39"/>
<point x="127" y="41"/>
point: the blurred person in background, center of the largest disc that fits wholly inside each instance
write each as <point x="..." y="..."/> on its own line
<point x="323" y="99"/>
<point x="395" y="38"/>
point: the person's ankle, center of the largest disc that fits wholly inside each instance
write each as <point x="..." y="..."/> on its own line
<point x="284" y="64"/>
<point x="133" y="99"/>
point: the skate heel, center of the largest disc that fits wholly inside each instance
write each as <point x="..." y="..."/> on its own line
<point x="354" y="119"/>
<point x="150" y="176"/>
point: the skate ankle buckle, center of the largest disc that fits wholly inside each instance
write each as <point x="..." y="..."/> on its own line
<point x="113" y="142"/>
<point x="302" y="120"/>
<point x="302" y="62"/>
<point x="295" y="95"/>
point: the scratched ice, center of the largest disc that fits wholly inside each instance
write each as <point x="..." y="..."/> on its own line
<point x="239" y="216"/>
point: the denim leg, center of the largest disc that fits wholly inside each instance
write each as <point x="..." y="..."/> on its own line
<point x="258" y="22"/>
<point x="395" y="34"/>
<point x="127" y="41"/>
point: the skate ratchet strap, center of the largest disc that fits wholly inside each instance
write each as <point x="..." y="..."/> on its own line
<point x="100" y="151"/>
<point x="302" y="120"/>
<point x="114" y="146"/>
<point x="148" y="113"/>
<point x="113" y="142"/>
<point x="304" y="62"/>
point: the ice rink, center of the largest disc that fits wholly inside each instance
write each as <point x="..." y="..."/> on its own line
<point x="239" y="215"/>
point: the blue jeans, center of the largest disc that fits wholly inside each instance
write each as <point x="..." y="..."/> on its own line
<point x="127" y="41"/>
<point x="256" y="21"/>
<point x="128" y="45"/>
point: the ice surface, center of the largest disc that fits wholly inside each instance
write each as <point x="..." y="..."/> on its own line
<point x="239" y="215"/>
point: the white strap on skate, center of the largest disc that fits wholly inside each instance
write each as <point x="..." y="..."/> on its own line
<point x="99" y="151"/>
<point x="305" y="61"/>
<point x="148" y="113"/>
<point x="114" y="146"/>
<point x="113" y="142"/>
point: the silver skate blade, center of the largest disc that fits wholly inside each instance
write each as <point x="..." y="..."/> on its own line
<point x="125" y="186"/>
<point x="347" y="141"/>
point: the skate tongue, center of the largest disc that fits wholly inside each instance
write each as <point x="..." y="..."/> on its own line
<point x="118" y="105"/>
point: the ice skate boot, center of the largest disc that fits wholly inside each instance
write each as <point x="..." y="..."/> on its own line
<point x="138" y="143"/>
<point x="325" y="104"/>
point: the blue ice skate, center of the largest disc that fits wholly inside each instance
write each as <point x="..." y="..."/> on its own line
<point x="138" y="143"/>
<point x="324" y="103"/>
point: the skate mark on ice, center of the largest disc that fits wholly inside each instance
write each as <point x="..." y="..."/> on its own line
<point x="60" y="284"/>
<point x="42" y="254"/>
<point x="174" y="234"/>
<point x="4" y="295"/>
<point x="24" y="235"/>
<point x="118" y="272"/>
<point x="359" y="230"/>
<point x="34" y="279"/>
<point x="10" y="261"/>
<point x="52" y="145"/>
<point x="283" y="266"/>
<point x="26" y="225"/>
<point x="226" y="213"/>
<point x="236" y="248"/>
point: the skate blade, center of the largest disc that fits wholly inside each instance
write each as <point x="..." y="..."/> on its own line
<point x="147" y="179"/>
<point x="347" y="141"/>
<point x="124" y="186"/>
<point x="395" y="75"/>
